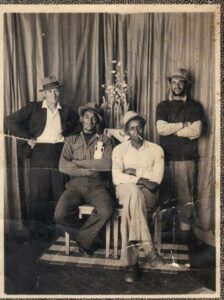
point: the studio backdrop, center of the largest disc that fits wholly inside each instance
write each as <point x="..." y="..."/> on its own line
<point x="79" y="50"/>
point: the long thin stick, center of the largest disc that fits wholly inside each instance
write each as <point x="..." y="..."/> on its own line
<point x="18" y="138"/>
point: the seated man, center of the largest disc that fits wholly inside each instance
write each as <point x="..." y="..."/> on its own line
<point x="137" y="169"/>
<point x="86" y="158"/>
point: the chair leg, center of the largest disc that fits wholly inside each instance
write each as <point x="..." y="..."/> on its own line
<point x="67" y="243"/>
<point x="115" y="232"/>
<point x="108" y="226"/>
<point x="158" y="232"/>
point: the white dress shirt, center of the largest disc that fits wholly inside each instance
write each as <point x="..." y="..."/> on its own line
<point x="52" y="132"/>
<point x="148" y="162"/>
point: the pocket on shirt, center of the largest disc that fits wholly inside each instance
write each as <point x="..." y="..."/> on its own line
<point x="78" y="151"/>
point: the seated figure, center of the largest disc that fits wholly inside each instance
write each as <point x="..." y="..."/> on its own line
<point x="137" y="170"/>
<point x="86" y="158"/>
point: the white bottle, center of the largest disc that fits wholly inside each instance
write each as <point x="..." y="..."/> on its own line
<point x="98" y="153"/>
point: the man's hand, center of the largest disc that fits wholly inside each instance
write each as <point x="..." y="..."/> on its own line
<point x="130" y="171"/>
<point x="186" y="124"/>
<point x="77" y="162"/>
<point x="150" y="185"/>
<point x="32" y="143"/>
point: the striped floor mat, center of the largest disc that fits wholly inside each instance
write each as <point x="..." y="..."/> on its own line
<point x="175" y="256"/>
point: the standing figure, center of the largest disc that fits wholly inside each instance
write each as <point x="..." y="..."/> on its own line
<point x="179" y="124"/>
<point x="86" y="158"/>
<point x="137" y="169"/>
<point x="44" y="125"/>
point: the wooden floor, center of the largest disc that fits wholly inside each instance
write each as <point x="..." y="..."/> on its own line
<point x="24" y="275"/>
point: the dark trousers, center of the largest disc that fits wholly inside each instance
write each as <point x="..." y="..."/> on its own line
<point x="178" y="189"/>
<point x="46" y="182"/>
<point x="66" y="213"/>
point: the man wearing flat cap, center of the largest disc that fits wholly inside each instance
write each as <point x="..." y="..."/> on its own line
<point x="86" y="158"/>
<point x="179" y="123"/>
<point x="137" y="169"/>
<point x="44" y="125"/>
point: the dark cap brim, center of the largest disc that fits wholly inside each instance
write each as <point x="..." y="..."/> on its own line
<point x="52" y="87"/>
<point x="81" y="110"/>
<point x="169" y="78"/>
<point x="133" y="118"/>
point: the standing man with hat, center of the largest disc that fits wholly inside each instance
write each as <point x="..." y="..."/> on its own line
<point x="44" y="125"/>
<point x="137" y="169"/>
<point x="86" y="158"/>
<point x="179" y="124"/>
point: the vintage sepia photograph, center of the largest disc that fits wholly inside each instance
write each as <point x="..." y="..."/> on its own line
<point x="111" y="151"/>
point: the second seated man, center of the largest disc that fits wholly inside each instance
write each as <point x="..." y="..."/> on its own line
<point x="137" y="169"/>
<point x="86" y="158"/>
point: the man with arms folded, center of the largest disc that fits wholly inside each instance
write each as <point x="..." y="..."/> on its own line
<point x="86" y="158"/>
<point x="137" y="169"/>
<point x="179" y="124"/>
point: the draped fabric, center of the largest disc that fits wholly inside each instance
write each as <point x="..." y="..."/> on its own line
<point x="79" y="49"/>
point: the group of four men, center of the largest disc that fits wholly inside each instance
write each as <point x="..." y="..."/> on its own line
<point x="88" y="157"/>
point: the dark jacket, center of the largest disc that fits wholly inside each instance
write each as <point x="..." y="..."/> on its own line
<point x="29" y="122"/>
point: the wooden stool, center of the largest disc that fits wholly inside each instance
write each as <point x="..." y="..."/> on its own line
<point x="87" y="210"/>
<point x="157" y="229"/>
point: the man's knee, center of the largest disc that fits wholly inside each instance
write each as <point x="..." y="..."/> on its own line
<point x="106" y="207"/>
<point x="128" y="189"/>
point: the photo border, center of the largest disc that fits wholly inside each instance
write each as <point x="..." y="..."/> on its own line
<point x="18" y="6"/>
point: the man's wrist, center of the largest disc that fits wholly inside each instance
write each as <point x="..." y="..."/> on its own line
<point x="139" y="173"/>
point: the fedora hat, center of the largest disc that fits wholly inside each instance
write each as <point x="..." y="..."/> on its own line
<point x="90" y="106"/>
<point x="50" y="82"/>
<point x="130" y="115"/>
<point x="181" y="73"/>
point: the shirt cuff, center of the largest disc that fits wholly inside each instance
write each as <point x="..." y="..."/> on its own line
<point x="139" y="173"/>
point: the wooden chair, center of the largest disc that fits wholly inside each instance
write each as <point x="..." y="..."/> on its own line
<point x="157" y="216"/>
<point x="87" y="210"/>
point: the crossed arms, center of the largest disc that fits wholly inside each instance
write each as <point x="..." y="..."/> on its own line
<point x="149" y="177"/>
<point x="89" y="167"/>
<point x="182" y="129"/>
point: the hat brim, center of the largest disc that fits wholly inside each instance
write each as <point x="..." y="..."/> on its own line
<point x="133" y="118"/>
<point x="81" y="110"/>
<point x="183" y="78"/>
<point x="52" y="87"/>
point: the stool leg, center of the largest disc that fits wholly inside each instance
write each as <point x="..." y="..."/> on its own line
<point x="115" y="229"/>
<point x="67" y="243"/>
<point x="108" y="225"/>
<point x="159" y="232"/>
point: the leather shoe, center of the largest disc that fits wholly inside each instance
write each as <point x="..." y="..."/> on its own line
<point x="131" y="274"/>
<point x="156" y="261"/>
<point x="84" y="251"/>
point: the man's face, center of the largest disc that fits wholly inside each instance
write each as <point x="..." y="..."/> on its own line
<point x="52" y="96"/>
<point x="89" y="120"/>
<point x="178" y="86"/>
<point x="135" y="130"/>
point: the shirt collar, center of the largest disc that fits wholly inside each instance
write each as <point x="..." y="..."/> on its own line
<point x="44" y="105"/>
<point x="93" y="138"/>
<point x="141" y="148"/>
<point x="184" y="98"/>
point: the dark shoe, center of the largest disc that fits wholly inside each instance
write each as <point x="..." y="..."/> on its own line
<point x="84" y="251"/>
<point x="98" y="244"/>
<point x="131" y="274"/>
<point x="156" y="261"/>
